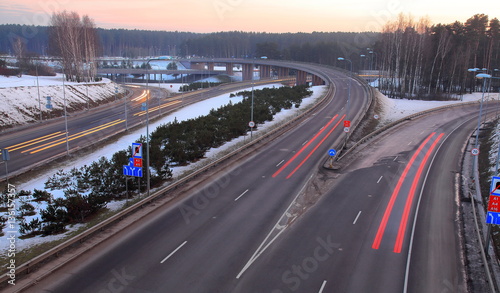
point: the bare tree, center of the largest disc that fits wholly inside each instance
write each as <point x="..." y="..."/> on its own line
<point x="75" y="41"/>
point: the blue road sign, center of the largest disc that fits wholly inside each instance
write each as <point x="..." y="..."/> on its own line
<point x="493" y="218"/>
<point x="495" y="186"/>
<point x="5" y="155"/>
<point x="144" y="106"/>
<point x="132" y="171"/>
<point x="137" y="150"/>
<point x="332" y="152"/>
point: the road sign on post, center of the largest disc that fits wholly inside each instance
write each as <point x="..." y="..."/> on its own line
<point x="493" y="214"/>
<point x="137" y="150"/>
<point x="495" y="186"/>
<point x="5" y="155"/>
<point x="332" y="154"/>
<point x="347" y="123"/>
<point x="132" y="171"/>
<point x="137" y="162"/>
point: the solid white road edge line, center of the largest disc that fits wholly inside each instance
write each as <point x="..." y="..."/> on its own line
<point x="172" y="253"/>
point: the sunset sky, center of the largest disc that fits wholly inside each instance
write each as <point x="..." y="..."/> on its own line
<point x="246" y="15"/>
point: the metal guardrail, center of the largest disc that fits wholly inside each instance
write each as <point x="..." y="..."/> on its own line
<point x="479" y="236"/>
<point x="392" y="124"/>
<point x="483" y="253"/>
<point x="25" y="267"/>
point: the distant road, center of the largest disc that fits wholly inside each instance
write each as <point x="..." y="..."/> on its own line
<point x="33" y="146"/>
<point x="206" y="242"/>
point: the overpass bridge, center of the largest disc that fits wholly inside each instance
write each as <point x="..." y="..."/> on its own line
<point x="303" y="72"/>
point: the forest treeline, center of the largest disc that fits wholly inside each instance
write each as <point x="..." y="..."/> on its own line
<point x="320" y="47"/>
<point x="424" y="61"/>
<point x="416" y="59"/>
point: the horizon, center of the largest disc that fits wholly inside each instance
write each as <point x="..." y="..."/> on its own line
<point x="242" y="15"/>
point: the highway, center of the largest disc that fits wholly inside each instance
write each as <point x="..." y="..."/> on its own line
<point x="204" y="242"/>
<point x="385" y="222"/>
<point x="357" y="238"/>
<point x="36" y="145"/>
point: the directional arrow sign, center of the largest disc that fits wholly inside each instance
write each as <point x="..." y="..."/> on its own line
<point x="132" y="171"/>
<point x="332" y="152"/>
<point x="493" y="218"/>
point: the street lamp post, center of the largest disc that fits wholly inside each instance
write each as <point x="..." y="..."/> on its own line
<point x="65" y="116"/>
<point x="147" y="130"/>
<point x="38" y="89"/>
<point x="369" y="62"/>
<point x="481" y="75"/>
<point x="251" y="110"/>
<point x="348" y="94"/>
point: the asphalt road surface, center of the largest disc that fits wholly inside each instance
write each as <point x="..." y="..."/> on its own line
<point x="221" y="225"/>
<point x="364" y="234"/>
<point x="376" y="227"/>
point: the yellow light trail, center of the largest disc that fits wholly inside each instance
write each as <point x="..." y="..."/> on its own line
<point x="142" y="96"/>
<point x="34" y="141"/>
<point x="73" y="137"/>
<point x="157" y="108"/>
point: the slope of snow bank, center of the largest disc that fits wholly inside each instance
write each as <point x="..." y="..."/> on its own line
<point x="395" y="109"/>
<point x="21" y="98"/>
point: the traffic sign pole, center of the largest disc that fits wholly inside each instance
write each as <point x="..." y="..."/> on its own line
<point x="332" y="154"/>
<point x="493" y="211"/>
<point x="5" y="158"/>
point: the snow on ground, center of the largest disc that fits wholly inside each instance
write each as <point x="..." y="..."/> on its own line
<point x="395" y="109"/>
<point x="21" y="98"/>
<point x="392" y="109"/>
<point x="189" y="112"/>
